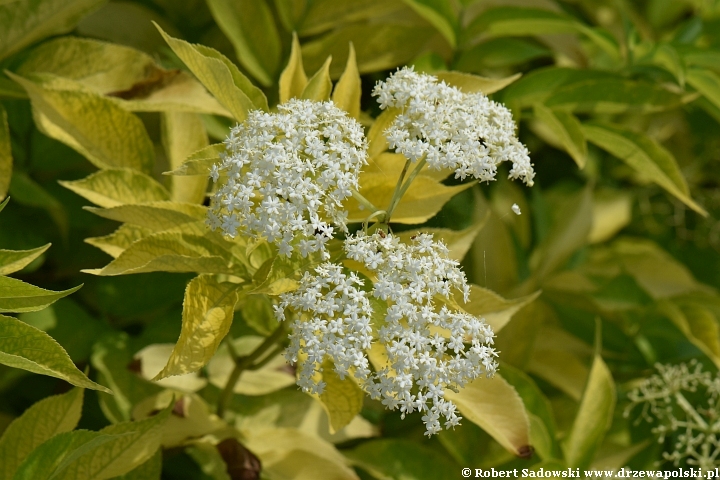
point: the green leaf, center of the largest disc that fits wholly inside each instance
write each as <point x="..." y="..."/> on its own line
<point x="4" y="203"/>
<point x="207" y="316"/>
<point x="593" y="418"/>
<point x="440" y="14"/>
<point x="250" y="26"/>
<point x="495" y="406"/>
<point x="293" y="80"/>
<point x="42" y="421"/>
<point x="173" y="252"/>
<point x="200" y="162"/>
<point x="323" y="15"/>
<point x="558" y="365"/>
<point x="342" y="399"/>
<point x="402" y="459"/>
<point x="469" y="83"/>
<point x="220" y="76"/>
<point x="28" y="192"/>
<point x="697" y="323"/>
<point x="182" y="135"/>
<point x="91" y="124"/>
<point x="707" y="83"/>
<point x="12" y="261"/>
<point x="113" y="451"/>
<point x="319" y="86"/>
<point x="645" y="155"/>
<point x="500" y="53"/>
<point x="23" y="23"/>
<point x="150" y="470"/>
<point x="157" y="216"/>
<point x="27" y="348"/>
<point x="6" y="161"/>
<point x="567" y="130"/>
<point x="18" y="296"/>
<point x="496" y="310"/>
<point x="349" y="87"/>
<point x="114" y="187"/>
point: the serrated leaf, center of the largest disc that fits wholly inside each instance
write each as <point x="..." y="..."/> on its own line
<point x="182" y="135"/>
<point x="12" y="261"/>
<point x="200" y="162"/>
<point x="157" y="216"/>
<point x="293" y="79"/>
<point x="220" y="76"/>
<point x="250" y="26"/>
<point x="440" y="14"/>
<point x="113" y="187"/>
<point x="593" y="418"/>
<point x="207" y="315"/>
<point x="116" y="243"/>
<point x="495" y="406"/>
<point x="113" y="451"/>
<point x="645" y="155"/>
<point x="18" y="296"/>
<point x="271" y="377"/>
<point x="24" y="23"/>
<point x="469" y="83"/>
<point x="93" y="125"/>
<point x="496" y="310"/>
<point x="6" y="161"/>
<point x="27" y="348"/>
<point x="319" y="85"/>
<point x="173" y="252"/>
<point x="568" y="131"/>
<point x="409" y="460"/>
<point x="342" y="399"/>
<point x="42" y="421"/>
<point x="349" y="88"/>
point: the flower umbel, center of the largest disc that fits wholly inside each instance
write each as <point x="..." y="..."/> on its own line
<point x="465" y="132"/>
<point x="288" y="174"/>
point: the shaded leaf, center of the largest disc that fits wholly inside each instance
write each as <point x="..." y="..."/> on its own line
<point x="113" y="187"/>
<point x="568" y="131"/>
<point x="150" y="470"/>
<point x="42" y="421"/>
<point x="469" y="83"/>
<point x="440" y="14"/>
<point x="612" y="211"/>
<point x="293" y="79"/>
<point x="28" y="192"/>
<point x="397" y="458"/>
<point x="349" y="87"/>
<point x="496" y="310"/>
<point x="154" y="215"/>
<point x="27" y="348"/>
<point x="154" y="357"/>
<point x="697" y="323"/>
<point x="707" y="83"/>
<point x="12" y="261"/>
<point x="6" y="161"/>
<point x="207" y="315"/>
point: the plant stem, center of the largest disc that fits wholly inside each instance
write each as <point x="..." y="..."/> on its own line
<point x="364" y="201"/>
<point x="690" y="410"/>
<point x="402" y="186"/>
<point x="246" y="363"/>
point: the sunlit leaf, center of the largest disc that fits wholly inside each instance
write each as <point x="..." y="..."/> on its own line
<point x="207" y="316"/>
<point x="457" y="241"/>
<point x="12" y="261"/>
<point x="27" y="348"/>
<point x="495" y="406"/>
<point x="182" y="135"/>
<point x="154" y="357"/>
<point x="116" y="243"/>
<point x="593" y="418"/>
<point x="349" y="88"/>
<point x="568" y="131"/>
<point x="472" y="83"/>
<point x="113" y="187"/>
<point x="42" y="421"/>
<point x="293" y="79"/>
<point x="496" y="310"/>
<point x="342" y="398"/>
<point x="200" y="162"/>
<point x="154" y="215"/>
<point x="18" y="296"/>
<point x="319" y="85"/>
<point x="645" y="155"/>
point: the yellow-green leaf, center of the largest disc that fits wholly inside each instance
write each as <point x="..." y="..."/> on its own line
<point x="319" y="86"/>
<point x="342" y="399"/>
<point x="6" y="161"/>
<point x="469" y="83"/>
<point x="348" y="88"/>
<point x="182" y="135"/>
<point x="12" y="261"/>
<point x="153" y="359"/>
<point x="18" y="296"/>
<point x="220" y="76"/>
<point x="113" y="451"/>
<point x="157" y="216"/>
<point x="697" y="323"/>
<point x="567" y="130"/>
<point x="707" y="83"/>
<point x="31" y="349"/>
<point x="200" y="162"/>
<point x="403" y="459"/>
<point x="116" y="243"/>
<point x="207" y="316"/>
<point x="42" y="421"/>
<point x="440" y="14"/>
<point x="250" y="26"/>
<point x="114" y="187"/>
<point x="496" y="310"/>
<point x="593" y="418"/>
<point x="612" y="211"/>
<point x="457" y="241"/>
<point x="377" y="143"/>
<point x="495" y="406"/>
<point x="293" y="79"/>
<point x="557" y="360"/>
<point x="24" y="23"/>
<point x="91" y="124"/>
<point x="150" y="470"/>
<point x="645" y="155"/>
<point x="28" y="192"/>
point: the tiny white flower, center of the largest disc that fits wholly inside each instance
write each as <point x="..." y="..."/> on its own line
<point x="516" y="209"/>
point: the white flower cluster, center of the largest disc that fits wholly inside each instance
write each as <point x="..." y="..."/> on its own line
<point x="288" y="174"/>
<point x="423" y="338"/>
<point x="464" y="132"/>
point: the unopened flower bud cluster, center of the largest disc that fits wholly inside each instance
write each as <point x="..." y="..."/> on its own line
<point x="465" y="132"/>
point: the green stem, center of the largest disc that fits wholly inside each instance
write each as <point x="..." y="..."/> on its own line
<point x="364" y="201"/>
<point x="403" y="186"/>
<point x="690" y="410"/>
<point x="398" y="187"/>
<point x="246" y="363"/>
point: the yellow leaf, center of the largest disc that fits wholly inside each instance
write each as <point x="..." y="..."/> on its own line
<point x="208" y="310"/>
<point x="113" y="187"/>
<point x="612" y="211"/>
<point x="116" y="243"/>
<point x="469" y="83"/>
<point x="495" y="406"/>
<point x="200" y="162"/>
<point x="457" y="241"/>
<point x="377" y="143"/>
<point x="348" y="88"/>
<point x="93" y="125"/>
<point x="6" y="161"/>
<point x="319" y="86"/>
<point x="293" y="79"/>
<point x="342" y="398"/>
<point x="152" y="360"/>
<point x="182" y="135"/>
<point x="556" y="359"/>
<point x="391" y="165"/>
<point x="496" y="310"/>
<point x="157" y="216"/>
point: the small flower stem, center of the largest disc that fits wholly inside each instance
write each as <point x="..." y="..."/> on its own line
<point x="247" y="363"/>
<point x="690" y="410"/>
<point x="403" y="186"/>
<point x="398" y="187"/>
<point x="364" y="201"/>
